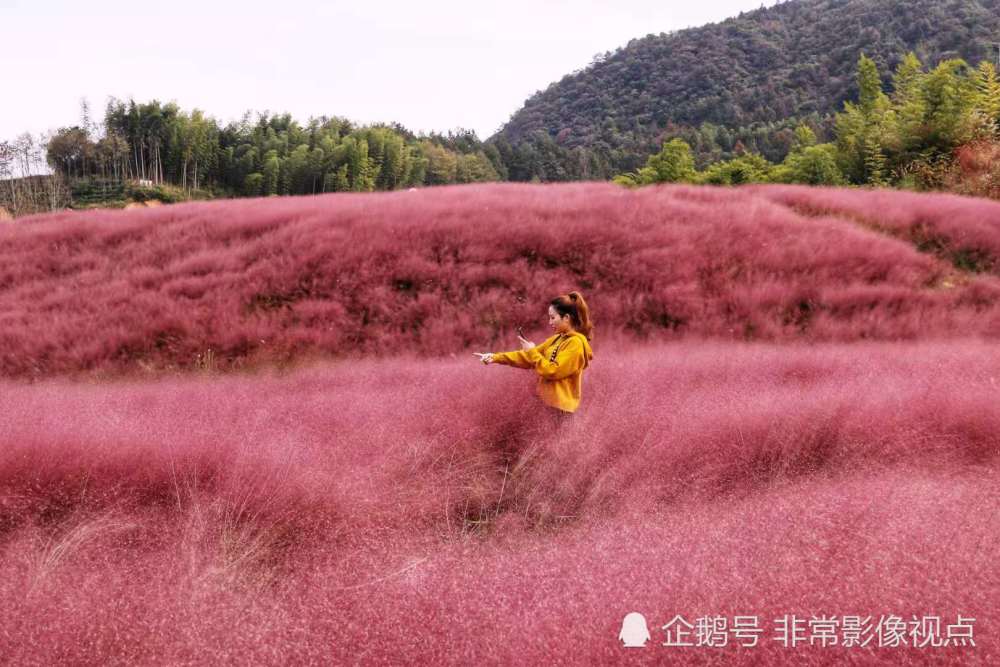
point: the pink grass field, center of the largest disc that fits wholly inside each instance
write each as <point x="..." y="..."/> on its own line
<point x="371" y="494"/>
<point x="249" y="283"/>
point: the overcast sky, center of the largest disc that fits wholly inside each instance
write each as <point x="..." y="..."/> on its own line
<point x="431" y="65"/>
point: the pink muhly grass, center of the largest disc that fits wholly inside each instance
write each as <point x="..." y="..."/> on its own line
<point x="246" y="284"/>
<point x="422" y="510"/>
<point x="959" y="229"/>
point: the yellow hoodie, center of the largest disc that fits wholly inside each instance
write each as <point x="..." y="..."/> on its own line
<point x="559" y="362"/>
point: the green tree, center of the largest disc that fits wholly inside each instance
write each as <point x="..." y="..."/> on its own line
<point x="811" y="165"/>
<point x="442" y="164"/>
<point x="804" y="137"/>
<point x="909" y="105"/>
<point x="182" y="146"/>
<point x="747" y="168"/>
<point x="313" y="177"/>
<point x="395" y="161"/>
<point x="416" y="173"/>
<point x="67" y="151"/>
<point x="295" y="171"/>
<point x="870" y="95"/>
<point x="253" y="184"/>
<point x="950" y="94"/>
<point x="987" y="96"/>
<point x="337" y="180"/>
<point x="360" y="168"/>
<point x="673" y="164"/>
<point x="474" y="168"/>
<point x="628" y="180"/>
<point x="272" y="173"/>
<point x="245" y="161"/>
<point x="862" y="128"/>
<point x="874" y="159"/>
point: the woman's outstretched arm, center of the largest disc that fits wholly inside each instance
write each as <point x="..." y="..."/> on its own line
<point x="518" y="359"/>
<point x="569" y="360"/>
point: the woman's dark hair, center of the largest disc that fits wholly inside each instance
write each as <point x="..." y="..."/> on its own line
<point x="572" y="304"/>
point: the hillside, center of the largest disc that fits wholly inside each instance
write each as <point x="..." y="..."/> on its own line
<point x="444" y="271"/>
<point x="758" y="72"/>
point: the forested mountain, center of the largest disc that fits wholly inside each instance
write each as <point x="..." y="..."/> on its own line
<point x="749" y="79"/>
<point x="772" y="95"/>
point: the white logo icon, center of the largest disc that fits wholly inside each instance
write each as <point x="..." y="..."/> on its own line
<point x="634" y="632"/>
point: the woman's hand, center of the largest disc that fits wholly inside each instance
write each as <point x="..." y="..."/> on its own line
<point x="485" y="357"/>
<point x="525" y="343"/>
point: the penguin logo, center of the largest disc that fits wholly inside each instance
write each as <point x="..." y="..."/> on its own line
<point x="634" y="632"/>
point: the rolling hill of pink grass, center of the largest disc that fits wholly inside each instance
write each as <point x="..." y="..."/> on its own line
<point x="247" y="283"/>
<point x="792" y="410"/>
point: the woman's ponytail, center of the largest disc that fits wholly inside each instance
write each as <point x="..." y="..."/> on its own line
<point x="573" y="304"/>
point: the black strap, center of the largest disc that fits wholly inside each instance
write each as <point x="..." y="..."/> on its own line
<point x="555" y="349"/>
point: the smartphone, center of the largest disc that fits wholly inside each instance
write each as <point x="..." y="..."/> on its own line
<point x="520" y="333"/>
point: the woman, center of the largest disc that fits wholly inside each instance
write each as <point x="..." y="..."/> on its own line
<point x="561" y="359"/>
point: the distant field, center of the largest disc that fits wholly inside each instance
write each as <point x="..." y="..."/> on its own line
<point x="791" y="410"/>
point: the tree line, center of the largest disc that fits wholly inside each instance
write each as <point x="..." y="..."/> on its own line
<point x="269" y="155"/>
<point x="914" y="136"/>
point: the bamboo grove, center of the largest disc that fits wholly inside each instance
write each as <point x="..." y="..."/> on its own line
<point x="272" y="155"/>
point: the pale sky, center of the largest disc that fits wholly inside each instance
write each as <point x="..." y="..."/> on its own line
<point x="431" y="65"/>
